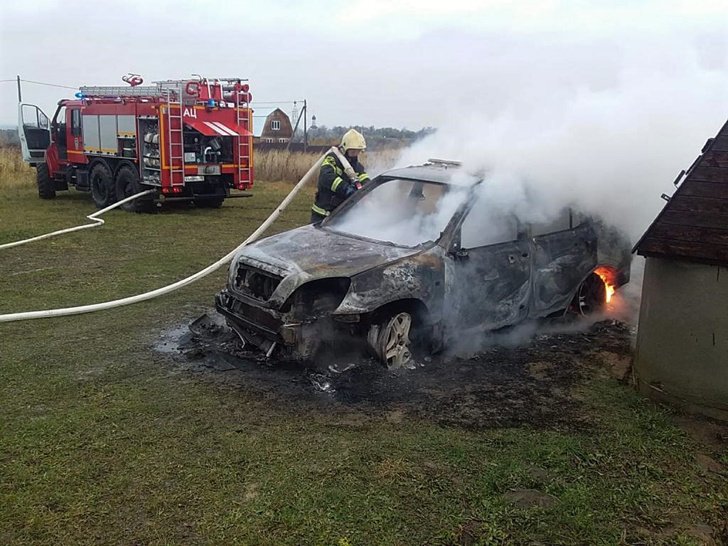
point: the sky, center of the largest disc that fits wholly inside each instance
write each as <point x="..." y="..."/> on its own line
<point x="396" y="63"/>
<point x="596" y="103"/>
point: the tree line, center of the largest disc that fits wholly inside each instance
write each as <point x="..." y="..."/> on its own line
<point x="377" y="137"/>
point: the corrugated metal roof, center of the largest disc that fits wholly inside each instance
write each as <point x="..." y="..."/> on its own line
<point x="693" y="225"/>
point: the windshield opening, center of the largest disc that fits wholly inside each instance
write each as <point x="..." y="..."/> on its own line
<point x="402" y="212"/>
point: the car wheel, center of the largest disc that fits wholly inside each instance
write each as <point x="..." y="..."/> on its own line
<point x="102" y="187"/>
<point x="128" y="184"/>
<point x="390" y="340"/>
<point x="46" y="187"/>
<point x="591" y="297"/>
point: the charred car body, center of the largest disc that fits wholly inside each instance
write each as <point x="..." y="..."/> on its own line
<point x="418" y="257"/>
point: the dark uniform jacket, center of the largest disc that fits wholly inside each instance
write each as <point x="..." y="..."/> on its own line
<point x="334" y="186"/>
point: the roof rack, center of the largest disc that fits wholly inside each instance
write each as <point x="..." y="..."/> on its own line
<point x="161" y="89"/>
<point x="124" y="91"/>
<point x="444" y="162"/>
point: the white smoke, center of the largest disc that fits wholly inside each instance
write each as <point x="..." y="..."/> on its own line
<point x="607" y="137"/>
<point x="609" y="149"/>
<point x="401" y="212"/>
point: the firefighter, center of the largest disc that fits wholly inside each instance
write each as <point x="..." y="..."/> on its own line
<point x="334" y="186"/>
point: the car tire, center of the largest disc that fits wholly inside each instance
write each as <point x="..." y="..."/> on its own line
<point x="102" y="186"/>
<point x="591" y="297"/>
<point x="127" y="184"/>
<point x="46" y="186"/>
<point x="390" y="340"/>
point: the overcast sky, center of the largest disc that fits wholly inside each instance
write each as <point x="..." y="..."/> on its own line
<point x="372" y="62"/>
<point x="597" y="104"/>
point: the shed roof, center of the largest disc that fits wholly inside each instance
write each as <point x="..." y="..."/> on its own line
<point x="693" y="225"/>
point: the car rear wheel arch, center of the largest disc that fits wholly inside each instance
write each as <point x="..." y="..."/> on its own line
<point x="590" y="295"/>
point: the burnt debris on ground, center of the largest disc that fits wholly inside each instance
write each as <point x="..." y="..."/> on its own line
<point x="499" y="385"/>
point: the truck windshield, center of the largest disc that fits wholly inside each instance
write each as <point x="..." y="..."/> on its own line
<point x="403" y="212"/>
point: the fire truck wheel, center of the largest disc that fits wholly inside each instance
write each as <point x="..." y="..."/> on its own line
<point x="102" y="186"/>
<point x="46" y="187"/>
<point x="127" y="184"/>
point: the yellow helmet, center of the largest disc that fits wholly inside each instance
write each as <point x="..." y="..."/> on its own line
<point x="353" y="140"/>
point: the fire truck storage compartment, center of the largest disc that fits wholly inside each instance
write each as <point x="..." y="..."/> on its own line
<point x="126" y="133"/>
<point x="109" y="134"/>
<point x="151" y="164"/>
<point x="91" y="141"/>
<point x="200" y="148"/>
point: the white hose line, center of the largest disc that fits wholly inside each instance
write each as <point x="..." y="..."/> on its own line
<point x="93" y="217"/>
<point x="179" y="284"/>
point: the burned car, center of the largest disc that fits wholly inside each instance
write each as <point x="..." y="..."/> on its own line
<point x="418" y="258"/>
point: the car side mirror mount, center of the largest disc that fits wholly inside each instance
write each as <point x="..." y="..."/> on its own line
<point x="460" y="254"/>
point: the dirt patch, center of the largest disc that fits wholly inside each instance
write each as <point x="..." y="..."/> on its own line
<point x="497" y="386"/>
<point x="619" y="366"/>
<point x="528" y="498"/>
<point x="705" y="431"/>
<point x="708" y="464"/>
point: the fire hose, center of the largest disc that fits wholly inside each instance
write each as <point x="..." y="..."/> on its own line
<point x="348" y="169"/>
<point x="97" y="222"/>
<point x="28" y="315"/>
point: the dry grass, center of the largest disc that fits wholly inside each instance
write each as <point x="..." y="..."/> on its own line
<point x="14" y="173"/>
<point x="282" y="166"/>
<point x="270" y="166"/>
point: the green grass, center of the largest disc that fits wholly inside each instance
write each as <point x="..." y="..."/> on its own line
<point x="104" y="441"/>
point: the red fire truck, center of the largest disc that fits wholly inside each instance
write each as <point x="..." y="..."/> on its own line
<point x="185" y="139"/>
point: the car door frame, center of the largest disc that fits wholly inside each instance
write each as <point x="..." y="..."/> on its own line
<point x="506" y="300"/>
<point x="561" y="260"/>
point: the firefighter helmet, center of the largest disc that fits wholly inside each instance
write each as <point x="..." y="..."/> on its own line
<point x="353" y="140"/>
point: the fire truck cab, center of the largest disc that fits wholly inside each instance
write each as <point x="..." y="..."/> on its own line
<point x="183" y="139"/>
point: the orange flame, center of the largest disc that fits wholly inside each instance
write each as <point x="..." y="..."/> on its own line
<point x="607" y="276"/>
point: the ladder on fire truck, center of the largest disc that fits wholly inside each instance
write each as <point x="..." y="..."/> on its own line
<point x="175" y="139"/>
<point x="243" y="142"/>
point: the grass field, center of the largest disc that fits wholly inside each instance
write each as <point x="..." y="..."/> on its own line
<point x="104" y="441"/>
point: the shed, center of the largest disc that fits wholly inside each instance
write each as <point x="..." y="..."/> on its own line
<point x="682" y="340"/>
<point x="277" y="128"/>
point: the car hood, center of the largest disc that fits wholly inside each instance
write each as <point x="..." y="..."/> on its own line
<point x="312" y="252"/>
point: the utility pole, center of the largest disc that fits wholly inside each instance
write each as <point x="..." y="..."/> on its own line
<point x="20" y="95"/>
<point x="305" y="126"/>
<point x="304" y="115"/>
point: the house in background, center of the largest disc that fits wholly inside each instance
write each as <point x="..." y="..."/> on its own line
<point x="682" y="341"/>
<point x="277" y="128"/>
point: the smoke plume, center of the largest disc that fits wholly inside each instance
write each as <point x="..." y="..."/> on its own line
<point x="609" y="148"/>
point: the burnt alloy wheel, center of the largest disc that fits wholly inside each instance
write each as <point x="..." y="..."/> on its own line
<point x="591" y="297"/>
<point x="102" y="186"/>
<point x="390" y="340"/>
<point x="127" y="184"/>
<point x="46" y="186"/>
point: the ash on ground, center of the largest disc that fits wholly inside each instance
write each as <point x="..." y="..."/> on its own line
<point x="496" y="383"/>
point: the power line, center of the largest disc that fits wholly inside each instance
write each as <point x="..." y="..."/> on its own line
<point x="48" y="84"/>
<point x="39" y="83"/>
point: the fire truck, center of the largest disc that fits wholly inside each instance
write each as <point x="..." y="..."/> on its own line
<point x="184" y="139"/>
